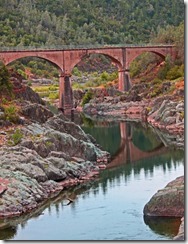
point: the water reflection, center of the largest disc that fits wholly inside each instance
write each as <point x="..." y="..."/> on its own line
<point x="133" y="164"/>
<point x="163" y="225"/>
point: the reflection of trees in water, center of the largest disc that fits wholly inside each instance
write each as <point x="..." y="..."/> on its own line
<point x="144" y="139"/>
<point x="107" y="134"/>
<point x="8" y="233"/>
<point x="166" y="161"/>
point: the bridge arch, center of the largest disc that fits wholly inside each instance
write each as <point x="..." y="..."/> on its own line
<point x="77" y="60"/>
<point x="136" y="54"/>
<point x="18" y="56"/>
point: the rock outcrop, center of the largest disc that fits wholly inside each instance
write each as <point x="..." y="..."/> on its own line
<point x="168" y="201"/>
<point x="53" y="153"/>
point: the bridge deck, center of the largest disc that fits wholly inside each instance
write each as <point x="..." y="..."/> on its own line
<point x="81" y="47"/>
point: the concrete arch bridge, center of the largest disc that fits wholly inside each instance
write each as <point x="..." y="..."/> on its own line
<point x="65" y="58"/>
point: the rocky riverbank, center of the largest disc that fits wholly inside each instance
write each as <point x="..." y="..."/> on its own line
<point x="48" y="159"/>
<point x="41" y="155"/>
<point x="162" y="113"/>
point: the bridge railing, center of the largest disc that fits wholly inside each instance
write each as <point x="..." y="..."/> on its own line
<point x="71" y="47"/>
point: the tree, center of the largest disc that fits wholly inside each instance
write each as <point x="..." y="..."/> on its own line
<point x="4" y="79"/>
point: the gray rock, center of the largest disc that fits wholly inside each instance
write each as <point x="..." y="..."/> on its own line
<point x="170" y="120"/>
<point x="36" y="112"/>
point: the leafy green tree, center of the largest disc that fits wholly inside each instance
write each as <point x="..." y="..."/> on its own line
<point x="4" y="79"/>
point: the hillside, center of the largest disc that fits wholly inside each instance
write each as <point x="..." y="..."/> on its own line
<point x="55" y="22"/>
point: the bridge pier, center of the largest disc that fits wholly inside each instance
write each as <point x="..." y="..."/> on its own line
<point x="124" y="80"/>
<point x="65" y="93"/>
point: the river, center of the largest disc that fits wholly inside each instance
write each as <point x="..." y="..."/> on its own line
<point x="110" y="207"/>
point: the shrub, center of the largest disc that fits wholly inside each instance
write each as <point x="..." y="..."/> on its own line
<point x="164" y="70"/>
<point x="16" y="137"/>
<point x="54" y="95"/>
<point x="87" y="97"/>
<point x="76" y="72"/>
<point x="29" y="83"/>
<point x="156" y="81"/>
<point x="5" y="79"/>
<point x="4" y="100"/>
<point x="53" y="88"/>
<point x="174" y="73"/>
<point x="104" y="76"/>
<point x="11" y="113"/>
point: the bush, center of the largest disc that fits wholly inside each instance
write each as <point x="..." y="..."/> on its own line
<point x="104" y="76"/>
<point x="76" y="72"/>
<point x="11" y="113"/>
<point x="54" y="95"/>
<point x="16" y="137"/>
<point x="87" y="97"/>
<point x="5" y="79"/>
<point x="156" y="81"/>
<point x="174" y="73"/>
<point x="164" y="70"/>
<point x="54" y="88"/>
<point x="29" y="83"/>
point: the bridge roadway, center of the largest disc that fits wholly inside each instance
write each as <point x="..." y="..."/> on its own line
<point x="66" y="58"/>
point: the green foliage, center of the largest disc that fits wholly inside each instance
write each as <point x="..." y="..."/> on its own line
<point x="11" y="113"/>
<point x="4" y="101"/>
<point x="156" y="81"/>
<point x="5" y="84"/>
<point x="87" y="121"/>
<point x="15" y="138"/>
<point x="163" y="71"/>
<point x="53" y="87"/>
<point x="174" y="73"/>
<point x="76" y="72"/>
<point x="87" y="97"/>
<point x="84" y="22"/>
<point x="29" y="83"/>
<point x="54" y="95"/>
<point x="142" y="63"/>
<point x="171" y="34"/>
<point x="104" y="76"/>
<point x="96" y="80"/>
<point x="22" y="73"/>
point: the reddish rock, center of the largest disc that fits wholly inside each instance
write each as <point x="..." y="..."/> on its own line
<point x="102" y="166"/>
<point x="3" y="185"/>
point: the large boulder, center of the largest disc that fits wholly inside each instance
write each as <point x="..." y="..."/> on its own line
<point x="27" y="94"/>
<point x="168" y="201"/>
<point x="36" y="112"/>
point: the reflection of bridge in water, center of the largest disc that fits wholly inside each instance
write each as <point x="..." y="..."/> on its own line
<point x="128" y="152"/>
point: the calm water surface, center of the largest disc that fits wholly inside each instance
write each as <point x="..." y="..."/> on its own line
<point x="111" y="207"/>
